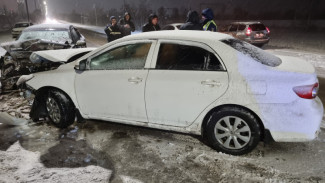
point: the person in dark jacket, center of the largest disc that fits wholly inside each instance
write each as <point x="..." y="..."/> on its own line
<point x="152" y="25"/>
<point x="112" y="30"/>
<point x="126" y="24"/>
<point x="192" y="22"/>
<point x="208" y="22"/>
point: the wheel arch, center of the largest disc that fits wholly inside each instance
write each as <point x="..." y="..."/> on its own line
<point x="264" y="132"/>
<point x="38" y="108"/>
<point x="45" y="89"/>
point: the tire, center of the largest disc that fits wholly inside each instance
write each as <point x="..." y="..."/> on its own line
<point x="240" y="138"/>
<point x="60" y="109"/>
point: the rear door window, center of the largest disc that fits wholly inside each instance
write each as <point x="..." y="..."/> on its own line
<point x="255" y="53"/>
<point x="184" y="57"/>
<point x="257" y="27"/>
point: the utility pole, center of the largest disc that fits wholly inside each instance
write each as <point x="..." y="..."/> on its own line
<point x="35" y="4"/>
<point x="95" y="13"/>
<point x="27" y="11"/>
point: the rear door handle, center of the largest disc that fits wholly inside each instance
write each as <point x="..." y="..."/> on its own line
<point x="211" y="83"/>
<point x="135" y="80"/>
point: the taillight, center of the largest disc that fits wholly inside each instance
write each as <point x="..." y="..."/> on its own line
<point x="248" y="31"/>
<point x="268" y="30"/>
<point x="307" y="91"/>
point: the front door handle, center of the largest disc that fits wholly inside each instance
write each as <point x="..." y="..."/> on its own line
<point x="135" y="80"/>
<point x="211" y="83"/>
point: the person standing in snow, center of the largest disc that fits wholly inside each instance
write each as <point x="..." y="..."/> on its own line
<point x="152" y="25"/>
<point x="126" y="24"/>
<point x="112" y="30"/>
<point x="208" y="22"/>
<point x="192" y="22"/>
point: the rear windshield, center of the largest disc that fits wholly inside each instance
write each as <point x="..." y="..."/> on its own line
<point x="257" y="27"/>
<point x="255" y="53"/>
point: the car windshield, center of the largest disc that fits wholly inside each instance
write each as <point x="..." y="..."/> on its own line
<point x="53" y="35"/>
<point x="256" y="53"/>
<point x="257" y="27"/>
<point x="21" y="25"/>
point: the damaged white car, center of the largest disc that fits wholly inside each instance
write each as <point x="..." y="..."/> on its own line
<point x="15" y="60"/>
<point x="201" y="83"/>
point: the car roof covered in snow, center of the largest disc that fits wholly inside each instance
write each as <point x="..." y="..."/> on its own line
<point x="48" y="27"/>
<point x="179" y="35"/>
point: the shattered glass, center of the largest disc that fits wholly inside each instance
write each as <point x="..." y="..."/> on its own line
<point x="60" y="36"/>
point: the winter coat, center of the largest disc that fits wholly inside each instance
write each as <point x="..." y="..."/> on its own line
<point x="123" y="21"/>
<point x="192" y="22"/>
<point x="208" y="23"/>
<point x="149" y="26"/>
<point x="113" y="32"/>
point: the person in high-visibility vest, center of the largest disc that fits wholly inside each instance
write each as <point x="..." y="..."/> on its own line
<point x="208" y="22"/>
<point x="112" y="30"/>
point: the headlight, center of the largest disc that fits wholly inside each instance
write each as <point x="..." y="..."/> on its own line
<point x="8" y="59"/>
<point x="35" y="58"/>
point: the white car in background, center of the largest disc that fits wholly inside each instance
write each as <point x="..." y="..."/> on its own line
<point x="202" y="83"/>
<point x="175" y="26"/>
<point x="19" y="27"/>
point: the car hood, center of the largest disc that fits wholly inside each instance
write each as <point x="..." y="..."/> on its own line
<point x="59" y="55"/>
<point x="34" y="45"/>
<point x="19" y="29"/>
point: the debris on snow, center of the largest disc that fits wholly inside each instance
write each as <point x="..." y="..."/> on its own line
<point x="15" y="105"/>
<point x="20" y="165"/>
<point x="6" y="119"/>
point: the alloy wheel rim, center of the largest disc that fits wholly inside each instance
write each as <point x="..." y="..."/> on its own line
<point x="53" y="110"/>
<point x="232" y="132"/>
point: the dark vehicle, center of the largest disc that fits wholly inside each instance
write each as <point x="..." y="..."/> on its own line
<point x="255" y="33"/>
<point x="15" y="61"/>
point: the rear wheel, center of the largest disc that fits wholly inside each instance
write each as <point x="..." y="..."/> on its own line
<point x="60" y="109"/>
<point x="233" y="131"/>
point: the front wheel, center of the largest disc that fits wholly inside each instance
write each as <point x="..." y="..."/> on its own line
<point x="60" y="109"/>
<point x="233" y="131"/>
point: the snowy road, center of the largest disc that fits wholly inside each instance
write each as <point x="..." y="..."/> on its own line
<point x="100" y="152"/>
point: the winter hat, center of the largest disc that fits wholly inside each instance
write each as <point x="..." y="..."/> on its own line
<point x="112" y="17"/>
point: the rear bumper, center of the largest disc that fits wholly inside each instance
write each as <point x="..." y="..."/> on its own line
<point x="258" y="41"/>
<point x="14" y="35"/>
<point x="298" y="121"/>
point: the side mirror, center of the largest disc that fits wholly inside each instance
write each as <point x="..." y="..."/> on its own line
<point x="82" y="66"/>
<point x="81" y="43"/>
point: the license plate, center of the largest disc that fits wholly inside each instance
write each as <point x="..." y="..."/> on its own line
<point x="259" y="35"/>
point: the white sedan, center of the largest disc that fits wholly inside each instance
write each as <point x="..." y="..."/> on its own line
<point x="202" y="83"/>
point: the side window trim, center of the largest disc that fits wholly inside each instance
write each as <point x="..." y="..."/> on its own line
<point x="188" y="43"/>
<point x="148" y="59"/>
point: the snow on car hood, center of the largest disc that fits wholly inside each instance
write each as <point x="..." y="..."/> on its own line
<point x="34" y="45"/>
<point x="59" y="55"/>
<point x="19" y="29"/>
